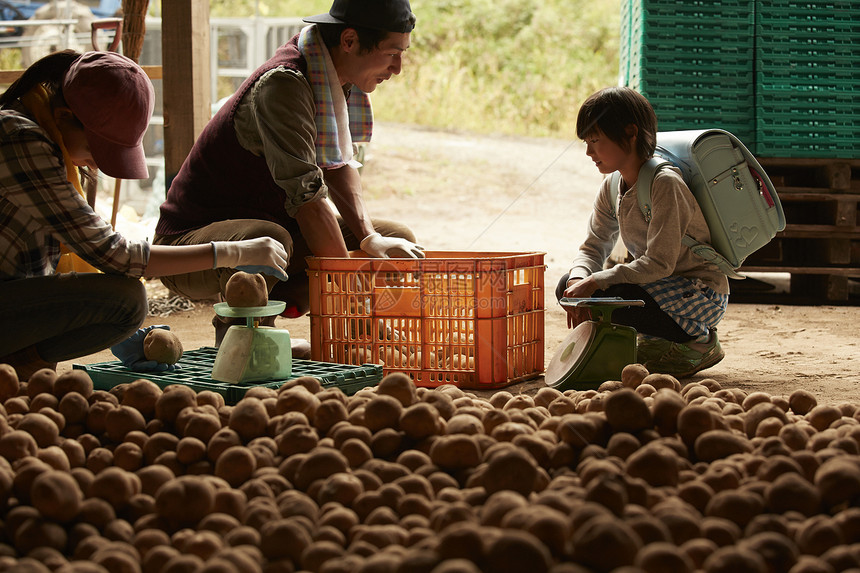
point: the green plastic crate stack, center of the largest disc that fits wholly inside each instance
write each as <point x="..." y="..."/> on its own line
<point x="693" y="60"/>
<point x="807" y="79"/>
<point x="624" y="43"/>
<point x="196" y="373"/>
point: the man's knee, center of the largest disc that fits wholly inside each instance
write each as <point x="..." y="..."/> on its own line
<point x="393" y="229"/>
<point x="273" y="230"/>
<point x="232" y="230"/>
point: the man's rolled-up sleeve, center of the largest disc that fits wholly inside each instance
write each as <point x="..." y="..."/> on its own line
<point x="281" y="107"/>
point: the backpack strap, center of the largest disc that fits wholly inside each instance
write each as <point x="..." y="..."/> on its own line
<point x="643" y="193"/>
<point x="711" y="255"/>
<point x="643" y="186"/>
<point x="614" y="186"/>
<point x="643" y="183"/>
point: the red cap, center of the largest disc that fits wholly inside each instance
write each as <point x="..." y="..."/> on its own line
<point x="113" y="99"/>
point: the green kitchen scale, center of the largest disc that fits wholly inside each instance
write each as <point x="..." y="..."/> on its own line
<point x="596" y="350"/>
<point x="252" y="353"/>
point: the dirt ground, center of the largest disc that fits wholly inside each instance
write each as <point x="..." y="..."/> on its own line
<point x="464" y="192"/>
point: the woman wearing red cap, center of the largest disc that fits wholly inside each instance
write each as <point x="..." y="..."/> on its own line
<point x="71" y="112"/>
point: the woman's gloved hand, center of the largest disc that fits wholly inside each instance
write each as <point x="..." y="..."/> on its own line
<point x="130" y="353"/>
<point x="260" y="255"/>
<point x="378" y="246"/>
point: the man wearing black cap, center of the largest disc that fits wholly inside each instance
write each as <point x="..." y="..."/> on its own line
<point x="283" y="143"/>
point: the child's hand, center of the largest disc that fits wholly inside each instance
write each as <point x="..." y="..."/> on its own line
<point x="576" y="316"/>
<point x="578" y="288"/>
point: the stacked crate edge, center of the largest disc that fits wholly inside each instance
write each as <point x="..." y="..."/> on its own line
<point x="807" y="79"/>
<point x="693" y="60"/>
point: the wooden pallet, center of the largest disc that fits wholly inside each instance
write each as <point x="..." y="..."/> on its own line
<point x="803" y="289"/>
<point x="820" y="246"/>
<point x="815" y="175"/>
<point x="824" y="212"/>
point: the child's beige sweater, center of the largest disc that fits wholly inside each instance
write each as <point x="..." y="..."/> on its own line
<point x="655" y="246"/>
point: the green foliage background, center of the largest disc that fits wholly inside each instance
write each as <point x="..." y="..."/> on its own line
<point x="492" y="66"/>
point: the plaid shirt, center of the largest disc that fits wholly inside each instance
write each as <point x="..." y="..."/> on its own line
<point x="39" y="209"/>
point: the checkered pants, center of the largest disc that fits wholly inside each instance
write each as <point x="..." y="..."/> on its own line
<point x="696" y="307"/>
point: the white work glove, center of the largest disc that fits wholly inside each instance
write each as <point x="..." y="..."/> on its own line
<point x="378" y="246"/>
<point x="261" y="255"/>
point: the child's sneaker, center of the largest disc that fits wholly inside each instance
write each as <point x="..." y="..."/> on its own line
<point x="681" y="360"/>
<point x="651" y="348"/>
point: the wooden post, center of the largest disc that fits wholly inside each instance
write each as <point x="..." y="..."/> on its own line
<point x="186" y="69"/>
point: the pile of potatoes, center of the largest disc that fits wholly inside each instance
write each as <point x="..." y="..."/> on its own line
<point x="641" y="474"/>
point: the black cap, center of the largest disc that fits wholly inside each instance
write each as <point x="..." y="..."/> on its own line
<point x="387" y="15"/>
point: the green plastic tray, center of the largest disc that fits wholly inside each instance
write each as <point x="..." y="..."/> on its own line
<point x="196" y="373"/>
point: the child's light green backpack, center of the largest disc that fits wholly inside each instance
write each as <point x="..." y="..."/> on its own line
<point x="736" y="196"/>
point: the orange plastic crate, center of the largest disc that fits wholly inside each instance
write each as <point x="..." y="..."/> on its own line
<point x="472" y="319"/>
